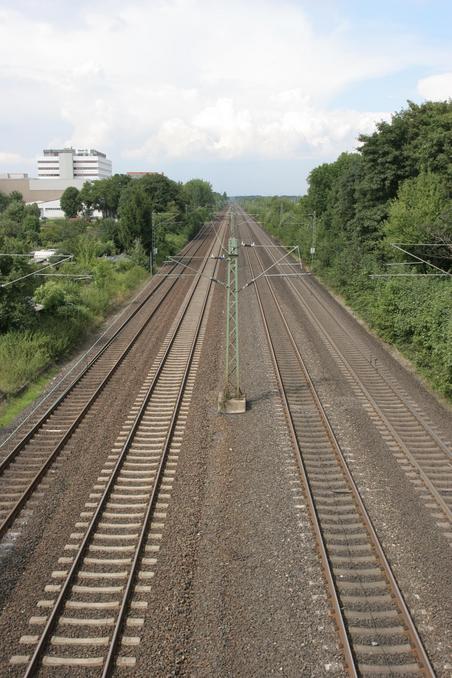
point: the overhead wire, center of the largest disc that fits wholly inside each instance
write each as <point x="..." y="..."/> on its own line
<point x="27" y="275"/>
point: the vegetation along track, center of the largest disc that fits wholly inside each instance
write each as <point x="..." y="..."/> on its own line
<point x="25" y="465"/>
<point x="97" y="603"/>
<point x="413" y="440"/>
<point x="376" y="631"/>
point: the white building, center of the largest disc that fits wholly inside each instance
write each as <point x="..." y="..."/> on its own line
<point x="68" y="163"/>
<point x="50" y="209"/>
<point x="57" y="170"/>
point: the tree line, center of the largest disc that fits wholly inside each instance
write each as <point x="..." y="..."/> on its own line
<point x="395" y="189"/>
<point x="43" y="317"/>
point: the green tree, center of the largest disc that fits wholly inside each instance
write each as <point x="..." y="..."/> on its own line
<point x="153" y="193"/>
<point x="70" y="202"/>
<point x="87" y="198"/>
<point x="86" y="249"/>
<point x="106" y="194"/>
<point x="31" y="219"/>
<point x="108" y="229"/>
<point x="198" y="193"/>
<point x="3" y="201"/>
<point x="135" y="215"/>
<point x="397" y="188"/>
<point x="418" y="138"/>
<point x="137" y="254"/>
<point x="16" y="310"/>
<point x="60" y="298"/>
<point x="15" y="196"/>
<point x="421" y="211"/>
<point x="15" y="211"/>
<point x="162" y="192"/>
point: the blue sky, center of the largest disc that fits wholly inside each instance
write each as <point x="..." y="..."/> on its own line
<point x="249" y="95"/>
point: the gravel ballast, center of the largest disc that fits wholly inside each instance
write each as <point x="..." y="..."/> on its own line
<point x="238" y="589"/>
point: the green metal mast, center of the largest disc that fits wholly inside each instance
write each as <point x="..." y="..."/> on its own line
<point x="233" y="400"/>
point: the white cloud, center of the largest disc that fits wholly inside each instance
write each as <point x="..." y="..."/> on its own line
<point x="8" y="158"/>
<point x="191" y="78"/>
<point x="436" y="87"/>
<point x="222" y="130"/>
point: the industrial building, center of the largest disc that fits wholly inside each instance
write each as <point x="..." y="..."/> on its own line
<point x="57" y="170"/>
<point x="68" y="163"/>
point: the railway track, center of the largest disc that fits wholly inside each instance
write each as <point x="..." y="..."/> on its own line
<point x="418" y="447"/>
<point x="98" y="602"/>
<point x="24" y="467"/>
<point x="377" y="633"/>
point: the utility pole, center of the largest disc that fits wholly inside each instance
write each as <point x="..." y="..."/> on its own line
<point x="231" y="400"/>
<point x="154" y="251"/>
<point x="151" y="253"/>
<point x="314" y="237"/>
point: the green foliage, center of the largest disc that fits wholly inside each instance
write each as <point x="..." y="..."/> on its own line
<point x="86" y="249"/>
<point x="398" y="188"/>
<point x="42" y="319"/>
<point x="15" y="405"/>
<point x="421" y="211"/>
<point x="104" y="195"/>
<point x="154" y="201"/>
<point x="16" y="196"/>
<point x="70" y="202"/>
<point x="70" y="310"/>
<point x="87" y="198"/>
<point x="135" y="215"/>
<point x="416" y="316"/>
<point x="22" y="355"/>
<point x="417" y="139"/>
<point x="198" y="193"/>
<point x="16" y="310"/>
<point x="4" y="199"/>
<point x="19" y="221"/>
<point x="63" y="234"/>
<point x="137" y="253"/>
<point x="31" y="223"/>
<point x="108" y="231"/>
<point x="61" y="299"/>
<point x="15" y="211"/>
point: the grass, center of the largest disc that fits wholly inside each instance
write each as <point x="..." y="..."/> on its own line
<point x="26" y="356"/>
<point x="12" y="407"/>
<point x="23" y="355"/>
<point x="71" y="312"/>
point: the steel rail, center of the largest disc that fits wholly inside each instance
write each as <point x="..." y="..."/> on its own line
<point x="112" y="651"/>
<point x="350" y="659"/>
<point x="321" y="301"/>
<point x="66" y="586"/>
<point x="25" y="495"/>
<point x="442" y="504"/>
<point x="92" y="361"/>
<point x="343" y="636"/>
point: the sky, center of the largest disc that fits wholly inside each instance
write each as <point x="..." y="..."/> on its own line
<point x="249" y="95"/>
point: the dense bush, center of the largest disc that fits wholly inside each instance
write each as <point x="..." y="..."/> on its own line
<point x="43" y="319"/>
<point x="22" y="355"/>
<point x="396" y="189"/>
<point x="70" y="310"/>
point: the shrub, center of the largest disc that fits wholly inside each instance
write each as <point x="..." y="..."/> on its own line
<point x="22" y="356"/>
